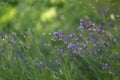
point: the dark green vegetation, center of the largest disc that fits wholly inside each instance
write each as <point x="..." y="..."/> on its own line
<point x="59" y="40"/>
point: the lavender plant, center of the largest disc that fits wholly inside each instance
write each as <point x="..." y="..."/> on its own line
<point x="91" y="50"/>
<point x="90" y="53"/>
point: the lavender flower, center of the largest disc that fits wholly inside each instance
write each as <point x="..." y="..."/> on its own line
<point x="79" y="49"/>
<point x="71" y="46"/>
<point x="110" y="24"/>
<point x="94" y="41"/>
<point x="84" y="46"/>
<point x="106" y="67"/>
<point x="91" y="35"/>
<point x="77" y="44"/>
<point x="65" y="40"/>
<point x="75" y="52"/>
<point x="2" y="35"/>
<point x="104" y="43"/>
<point x="75" y="48"/>
<point x="41" y="64"/>
<point x="80" y="28"/>
<point x="58" y="35"/>
<point x="87" y="40"/>
<point x="106" y="33"/>
<point x="81" y="22"/>
<point x="90" y="24"/>
<point x="99" y="31"/>
<point x="73" y="36"/>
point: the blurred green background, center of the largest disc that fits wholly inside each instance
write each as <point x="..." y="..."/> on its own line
<point x="52" y="15"/>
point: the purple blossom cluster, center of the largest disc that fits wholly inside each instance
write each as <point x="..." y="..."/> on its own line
<point x="106" y="67"/>
<point x="90" y="38"/>
<point x="58" y="35"/>
<point x="76" y="42"/>
<point x="41" y="64"/>
<point x="75" y="48"/>
<point x="84" y="24"/>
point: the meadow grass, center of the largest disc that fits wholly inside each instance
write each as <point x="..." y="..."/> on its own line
<point x="92" y="52"/>
<point x="89" y="52"/>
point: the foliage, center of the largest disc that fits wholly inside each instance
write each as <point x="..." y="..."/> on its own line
<point x="47" y="40"/>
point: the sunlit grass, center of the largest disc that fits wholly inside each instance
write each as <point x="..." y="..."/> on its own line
<point x="48" y="14"/>
<point x="11" y="12"/>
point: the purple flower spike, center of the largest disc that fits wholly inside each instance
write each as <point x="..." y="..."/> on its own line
<point x="79" y="49"/>
<point x="99" y="31"/>
<point x="106" y="67"/>
<point x="81" y="22"/>
<point x="74" y="52"/>
<point x="56" y="34"/>
<point x="87" y="40"/>
<point x="84" y="46"/>
<point x="80" y="28"/>
<point x="65" y="40"/>
<point x="104" y="43"/>
<point x="41" y="65"/>
<point x="90" y="24"/>
<point x="110" y="24"/>
<point x="73" y="36"/>
<point x="71" y="46"/>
